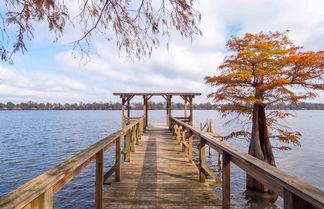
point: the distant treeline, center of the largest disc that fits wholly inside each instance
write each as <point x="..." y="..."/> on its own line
<point x="139" y="106"/>
<point x="98" y="106"/>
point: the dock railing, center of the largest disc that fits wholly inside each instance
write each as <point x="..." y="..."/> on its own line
<point x="296" y="193"/>
<point x="38" y="192"/>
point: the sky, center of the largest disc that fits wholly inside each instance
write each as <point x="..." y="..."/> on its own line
<point x="48" y="72"/>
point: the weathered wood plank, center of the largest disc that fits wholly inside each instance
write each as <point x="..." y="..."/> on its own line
<point x="159" y="176"/>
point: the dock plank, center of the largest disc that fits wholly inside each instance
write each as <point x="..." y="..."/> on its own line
<point x="159" y="176"/>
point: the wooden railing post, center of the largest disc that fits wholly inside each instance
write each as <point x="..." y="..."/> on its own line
<point x="178" y="134"/>
<point x="124" y="150"/>
<point x="172" y="126"/>
<point x="175" y="129"/>
<point x="183" y="139"/>
<point x="288" y="199"/>
<point x="226" y="181"/>
<point x="99" y="179"/>
<point x="219" y="157"/>
<point x="202" y="159"/>
<point x="47" y="199"/>
<point x="133" y="137"/>
<point x="190" y="147"/>
<point x="292" y="201"/>
<point x="127" y="147"/>
<point x="142" y="127"/>
<point x="117" y="160"/>
<point x="138" y="134"/>
<point x="43" y="201"/>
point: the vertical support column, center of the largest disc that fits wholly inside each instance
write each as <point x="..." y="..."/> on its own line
<point x="292" y="201"/>
<point x="183" y="140"/>
<point x="127" y="147"/>
<point x="175" y="128"/>
<point x="185" y="108"/>
<point x="145" y="110"/>
<point x="141" y="128"/>
<point x="128" y="107"/>
<point x="123" y="112"/>
<point x="99" y="179"/>
<point x="226" y="181"/>
<point x="47" y="199"/>
<point x="133" y="138"/>
<point x="191" y="111"/>
<point x="138" y="134"/>
<point x="288" y="199"/>
<point x="190" y="147"/>
<point x="178" y="133"/>
<point x="117" y="160"/>
<point x="168" y="109"/>
<point x="202" y="159"/>
<point x="43" y="201"/>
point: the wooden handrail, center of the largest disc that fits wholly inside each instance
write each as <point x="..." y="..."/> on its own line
<point x="38" y="192"/>
<point x="296" y="193"/>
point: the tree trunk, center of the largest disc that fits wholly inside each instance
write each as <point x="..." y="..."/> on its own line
<point x="260" y="146"/>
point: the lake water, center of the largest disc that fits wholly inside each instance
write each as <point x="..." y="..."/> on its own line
<point x="32" y="142"/>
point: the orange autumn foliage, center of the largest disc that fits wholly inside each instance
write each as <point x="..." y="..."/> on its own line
<point x="264" y="69"/>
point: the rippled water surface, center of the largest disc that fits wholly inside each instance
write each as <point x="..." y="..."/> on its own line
<point x="32" y="142"/>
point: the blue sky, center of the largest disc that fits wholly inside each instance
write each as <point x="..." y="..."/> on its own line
<point x="49" y="72"/>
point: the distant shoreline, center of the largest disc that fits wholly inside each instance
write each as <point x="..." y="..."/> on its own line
<point x="139" y="106"/>
<point x="139" y="109"/>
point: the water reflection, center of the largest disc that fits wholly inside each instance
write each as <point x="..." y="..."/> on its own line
<point x="258" y="200"/>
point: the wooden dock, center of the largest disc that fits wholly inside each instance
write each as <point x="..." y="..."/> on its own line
<point x="159" y="176"/>
<point x="158" y="169"/>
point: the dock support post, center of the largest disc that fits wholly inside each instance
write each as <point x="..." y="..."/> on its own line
<point x="128" y="107"/>
<point x="190" y="147"/>
<point x="138" y="134"/>
<point x="117" y="160"/>
<point x="44" y="201"/>
<point x="133" y="131"/>
<point x="141" y="128"/>
<point x="202" y="159"/>
<point x="175" y="129"/>
<point x="183" y="140"/>
<point x="185" y="108"/>
<point x="145" y="111"/>
<point x="127" y="147"/>
<point x="226" y="181"/>
<point x="191" y="111"/>
<point x="178" y="134"/>
<point x="292" y="201"/>
<point x="99" y="179"/>
<point x="168" y="109"/>
<point x="123" y="112"/>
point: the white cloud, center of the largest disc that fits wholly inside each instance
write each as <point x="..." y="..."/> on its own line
<point x="22" y="85"/>
<point x="182" y="67"/>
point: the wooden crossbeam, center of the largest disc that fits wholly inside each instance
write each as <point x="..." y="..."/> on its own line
<point x="109" y="172"/>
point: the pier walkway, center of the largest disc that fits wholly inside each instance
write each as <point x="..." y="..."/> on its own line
<point x="159" y="176"/>
<point x="158" y="169"/>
